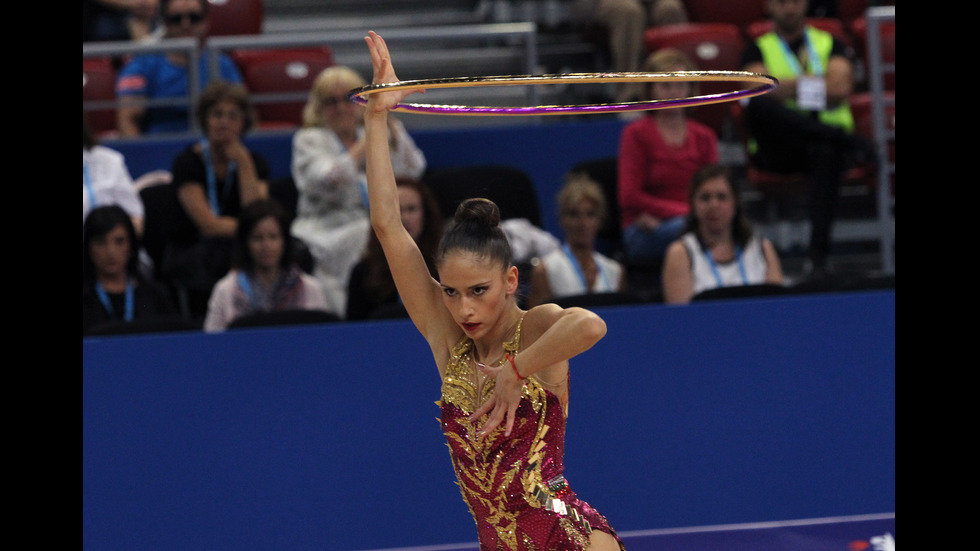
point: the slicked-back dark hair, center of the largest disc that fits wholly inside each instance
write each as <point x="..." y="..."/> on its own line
<point x="476" y="229"/>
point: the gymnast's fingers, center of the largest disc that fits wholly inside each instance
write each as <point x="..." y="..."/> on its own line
<point x="511" y="414"/>
<point x="482" y="410"/>
<point x="496" y="416"/>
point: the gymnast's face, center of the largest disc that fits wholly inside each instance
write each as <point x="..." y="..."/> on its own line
<point x="476" y="291"/>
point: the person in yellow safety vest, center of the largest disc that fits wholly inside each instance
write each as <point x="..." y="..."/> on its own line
<point x="805" y="124"/>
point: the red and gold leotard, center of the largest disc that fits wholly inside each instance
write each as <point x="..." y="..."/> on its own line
<point x="514" y="485"/>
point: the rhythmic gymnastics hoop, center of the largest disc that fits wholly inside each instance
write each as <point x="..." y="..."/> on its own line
<point x="764" y="84"/>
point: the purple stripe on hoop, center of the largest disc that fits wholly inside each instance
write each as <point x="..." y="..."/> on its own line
<point x="768" y="83"/>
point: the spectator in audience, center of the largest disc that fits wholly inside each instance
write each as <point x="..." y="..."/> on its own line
<point x="577" y="268"/>
<point x="116" y="20"/>
<point x="622" y="23"/>
<point x="106" y="179"/>
<point x="371" y="285"/>
<point x="805" y="124"/>
<point x="658" y="155"/>
<point x="719" y="247"/>
<point x="328" y="168"/>
<point x="265" y="276"/>
<point x="165" y="75"/>
<point x="112" y="286"/>
<point x="213" y="179"/>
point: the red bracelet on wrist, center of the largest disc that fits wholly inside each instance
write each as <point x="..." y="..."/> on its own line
<point x="510" y="358"/>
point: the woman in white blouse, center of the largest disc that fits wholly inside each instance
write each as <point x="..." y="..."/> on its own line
<point x="328" y="168"/>
<point x="106" y="179"/>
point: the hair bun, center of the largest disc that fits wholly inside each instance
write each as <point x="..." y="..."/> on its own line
<point x="478" y="210"/>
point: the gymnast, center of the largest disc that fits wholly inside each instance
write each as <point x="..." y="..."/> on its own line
<point x="504" y="371"/>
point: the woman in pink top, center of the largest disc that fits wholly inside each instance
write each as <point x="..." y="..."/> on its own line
<point x="658" y="155"/>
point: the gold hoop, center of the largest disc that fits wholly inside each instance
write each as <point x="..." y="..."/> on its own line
<point x="763" y="84"/>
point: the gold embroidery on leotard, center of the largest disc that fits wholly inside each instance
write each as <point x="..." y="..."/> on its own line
<point x="489" y="483"/>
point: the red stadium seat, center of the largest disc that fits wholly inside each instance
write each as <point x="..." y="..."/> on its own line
<point x="861" y="109"/>
<point x="99" y="85"/>
<point x="782" y="186"/>
<point x="859" y="29"/>
<point x="737" y="12"/>
<point x="235" y="17"/>
<point x="712" y="47"/>
<point x="849" y="10"/>
<point x="281" y="71"/>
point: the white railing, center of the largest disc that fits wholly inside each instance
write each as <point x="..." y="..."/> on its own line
<point x="877" y="68"/>
<point x="187" y="46"/>
<point x="447" y="38"/>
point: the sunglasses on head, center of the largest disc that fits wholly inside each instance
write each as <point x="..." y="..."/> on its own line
<point x="177" y="18"/>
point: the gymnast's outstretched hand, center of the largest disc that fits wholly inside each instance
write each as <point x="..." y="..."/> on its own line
<point x="384" y="73"/>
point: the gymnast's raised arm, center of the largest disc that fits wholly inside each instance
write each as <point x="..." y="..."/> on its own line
<point x="420" y="293"/>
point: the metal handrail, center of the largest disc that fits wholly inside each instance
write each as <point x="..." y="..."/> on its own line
<point x="525" y="31"/>
<point x="876" y="73"/>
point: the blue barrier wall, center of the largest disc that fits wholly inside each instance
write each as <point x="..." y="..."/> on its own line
<point x="325" y="437"/>
<point x="544" y="151"/>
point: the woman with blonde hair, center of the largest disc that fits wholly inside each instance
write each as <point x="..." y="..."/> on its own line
<point x="577" y="268"/>
<point x="328" y="169"/>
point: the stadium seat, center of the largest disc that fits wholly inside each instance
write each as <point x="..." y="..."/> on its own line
<point x="780" y="189"/>
<point x="859" y="29"/>
<point x="861" y="109"/>
<point x="235" y="17"/>
<point x="594" y="300"/>
<point x="283" y="317"/>
<point x="163" y="324"/>
<point x="739" y="12"/>
<point x="276" y="72"/>
<point x="741" y="291"/>
<point x="713" y="47"/>
<point x="99" y="85"/>
<point x="849" y="10"/>
<point x="511" y="188"/>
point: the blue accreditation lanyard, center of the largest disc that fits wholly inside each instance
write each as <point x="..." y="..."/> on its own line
<point x="714" y="267"/>
<point x="247" y="287"/>
<point x="87" y="182"/>
<point x="212" y="179"/>
<point x="793" y="61"/>
<point x="581" y="274"/>
<point x="104" y="298"/>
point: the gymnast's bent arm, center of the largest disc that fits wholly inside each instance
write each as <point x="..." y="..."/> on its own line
<point x="420" y="293"/>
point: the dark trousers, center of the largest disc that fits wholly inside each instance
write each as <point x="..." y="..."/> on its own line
<point x="791" y="141"/>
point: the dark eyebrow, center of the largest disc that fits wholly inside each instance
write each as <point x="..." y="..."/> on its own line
<point x="483" y="284"/>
